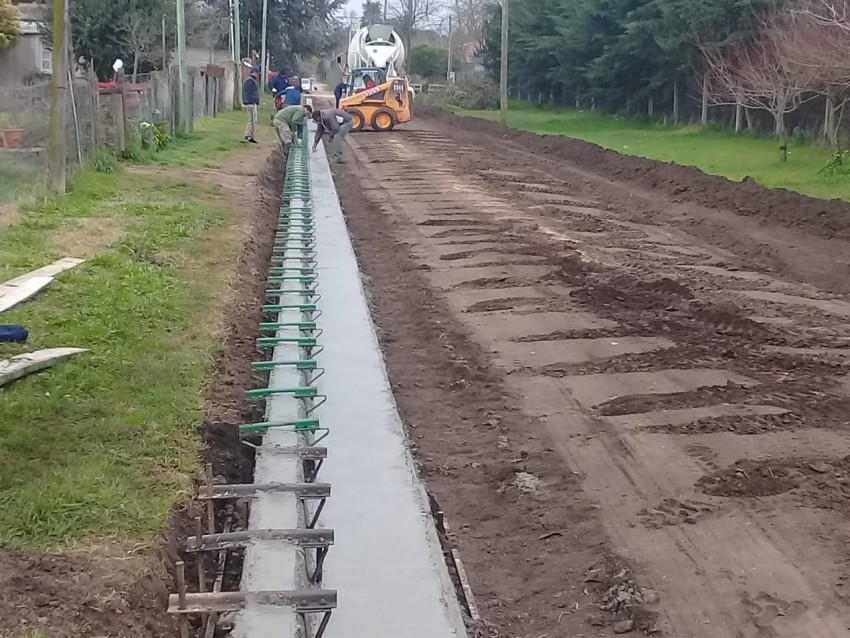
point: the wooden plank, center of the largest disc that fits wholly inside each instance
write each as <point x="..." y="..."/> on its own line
<point x="304" y="601"/>
<point x="19" y="289"/>
<point x="466" y="587"/>
<point x="24" y="364"/>
<point x="12" y="295"/>
<point x="297" y="537"/>
<point x="51" y="270"/>
<point x="247" y="490"/>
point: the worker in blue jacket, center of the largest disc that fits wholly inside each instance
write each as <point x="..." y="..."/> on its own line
<point x="292" y="97"/>
<point x="278" y="85"/>
<point x="340" y="90"/>
<point x="292" y="93"/>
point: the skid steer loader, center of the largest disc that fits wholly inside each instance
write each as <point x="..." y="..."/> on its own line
<point x="382" y="107"/>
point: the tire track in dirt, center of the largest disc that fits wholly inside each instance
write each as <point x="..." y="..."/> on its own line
<point x="692" y="359"/>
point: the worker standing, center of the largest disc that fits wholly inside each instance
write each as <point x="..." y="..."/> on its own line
<point x="340" y="90"/>
<point x="335" y="123"/>
<point x="290" y="118"/>
<point x="251" y="100"/>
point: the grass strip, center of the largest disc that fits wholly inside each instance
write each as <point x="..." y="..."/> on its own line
<point x="103" y="445"/>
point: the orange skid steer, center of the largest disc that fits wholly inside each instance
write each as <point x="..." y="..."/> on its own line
<point x="381" y="107"/>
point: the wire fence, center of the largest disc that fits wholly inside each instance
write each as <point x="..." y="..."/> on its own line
<point x="119" y="115"/>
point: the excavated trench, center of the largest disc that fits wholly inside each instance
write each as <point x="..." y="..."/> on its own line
<point x="225" y="408"/>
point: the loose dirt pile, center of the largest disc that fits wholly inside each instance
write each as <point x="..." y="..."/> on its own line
<point x="820" y="217"/>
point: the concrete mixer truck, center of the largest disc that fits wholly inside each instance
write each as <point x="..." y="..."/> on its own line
<point x="378" y="96"/>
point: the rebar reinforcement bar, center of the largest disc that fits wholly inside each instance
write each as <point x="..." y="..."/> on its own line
<point x="285" y="549"/>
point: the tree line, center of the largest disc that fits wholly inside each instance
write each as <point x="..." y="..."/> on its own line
<point x="133" y="30"/>
<point x="679" y="58"/>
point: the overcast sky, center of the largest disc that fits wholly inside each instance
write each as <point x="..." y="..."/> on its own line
<point x="357" y="5"/>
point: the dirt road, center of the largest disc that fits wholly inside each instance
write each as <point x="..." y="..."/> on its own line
<point x="632" y="407"/>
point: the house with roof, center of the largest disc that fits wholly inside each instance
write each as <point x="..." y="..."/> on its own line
<point x="30" y="58"/>
<point x="471" y="60"/>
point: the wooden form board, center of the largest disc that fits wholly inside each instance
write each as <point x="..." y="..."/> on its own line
<point x="19" y="289"/>
<point x="24" y="364"/>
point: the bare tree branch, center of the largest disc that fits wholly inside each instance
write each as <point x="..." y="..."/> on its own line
<point x="142" y="37"/>
<point x="826" y="12"/>
<point x="410" y="16"/>
<point x="762" y="74"/>
<point x="470" y="16"/>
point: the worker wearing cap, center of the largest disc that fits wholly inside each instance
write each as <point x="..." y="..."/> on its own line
<point x="335" y="123"/>
<point x="251" y="100"/>
<point x="290" y="118"/>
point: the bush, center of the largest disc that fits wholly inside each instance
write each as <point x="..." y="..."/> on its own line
<point x="161" y="135"/>
<point x="471" y="95"/>
<point x="837" y="167"/>
<point x="105" y="162"/>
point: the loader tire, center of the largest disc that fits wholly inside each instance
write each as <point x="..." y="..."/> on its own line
<point x="383" y="120"/>
<point x="359" y="119"/>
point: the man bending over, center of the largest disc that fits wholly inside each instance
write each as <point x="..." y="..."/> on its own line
<point x="287" y="122"/>
<point x="335" y="123"/>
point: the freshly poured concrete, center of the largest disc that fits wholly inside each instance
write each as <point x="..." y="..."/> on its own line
<point x="386" y="564"/>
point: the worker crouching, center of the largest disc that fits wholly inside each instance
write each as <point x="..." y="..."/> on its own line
<point x="288" y="122"/>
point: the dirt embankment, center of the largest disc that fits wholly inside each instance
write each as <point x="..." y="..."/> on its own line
<point x="820" y="217"/>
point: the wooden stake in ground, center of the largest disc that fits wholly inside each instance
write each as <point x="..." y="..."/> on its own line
<point x="181" y="593"/>
<point x="183" y="116"/>
<point x="237" y="55"/>
<point x="263" y="62"/>
<point x="58" y="98"/>
<point x="503" y="71"/>
<point x="449" y="69"/>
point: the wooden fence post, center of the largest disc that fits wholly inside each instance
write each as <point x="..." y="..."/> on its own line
<point x="120" y="116"/>
<point x="93" y="95"/>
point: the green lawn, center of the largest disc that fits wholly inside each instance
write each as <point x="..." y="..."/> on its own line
<point x="716" y="152"/>
<point x="102" y="445"/>
<point x="211" y="137"/>
<point x="19" y="178"/>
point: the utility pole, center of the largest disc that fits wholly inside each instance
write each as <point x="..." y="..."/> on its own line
<point x="385" y="15"/>
<point x="237" y="58"/>
<point x="263" y="69"/>
<point x="231" y="36"/>
<point x="58" y="97"/>
<point x="182" y="70"/>
<point x="248" y="42"/>
<point x="503" y="70"/>
<point x="164" y="49"/>
<point x="449" y="70"/>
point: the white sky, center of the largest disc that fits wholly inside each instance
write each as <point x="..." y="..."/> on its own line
<point x="357" y="5"/>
